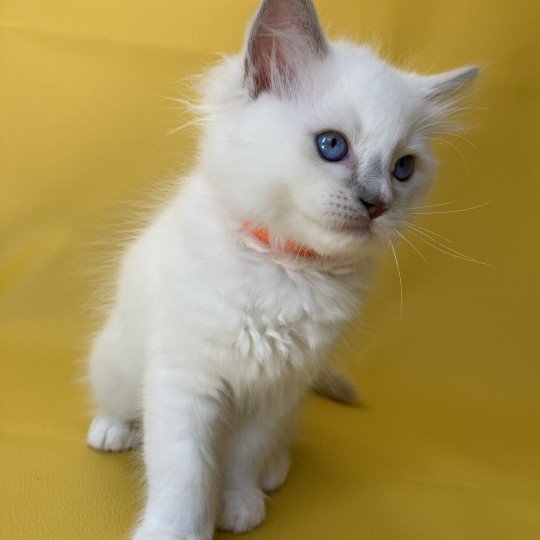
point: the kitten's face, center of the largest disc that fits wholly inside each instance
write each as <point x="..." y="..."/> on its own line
<point x="323" y="144"/>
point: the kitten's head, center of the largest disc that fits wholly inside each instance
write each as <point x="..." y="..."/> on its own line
<point x="322" y="143"/>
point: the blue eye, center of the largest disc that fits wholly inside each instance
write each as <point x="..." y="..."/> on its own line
<point x="332" y="145"/>
<point x="403" y="168"/>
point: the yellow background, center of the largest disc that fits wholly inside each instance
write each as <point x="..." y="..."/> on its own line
<point x="447" y="445"/>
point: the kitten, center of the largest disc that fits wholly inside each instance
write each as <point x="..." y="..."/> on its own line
<point x="228" y="303"/>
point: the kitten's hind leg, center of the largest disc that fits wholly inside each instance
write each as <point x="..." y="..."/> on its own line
<point x="116" y="377"/>
<point x="332" y="382"/>
<point x="111" y="435"/>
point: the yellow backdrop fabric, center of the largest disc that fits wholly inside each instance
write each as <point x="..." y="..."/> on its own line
<point x="447" y="444"/>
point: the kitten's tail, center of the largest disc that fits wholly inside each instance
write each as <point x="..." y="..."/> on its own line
<point x="332" y="382"/>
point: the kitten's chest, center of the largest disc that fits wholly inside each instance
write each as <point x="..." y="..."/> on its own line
<point x="287" y="321"/>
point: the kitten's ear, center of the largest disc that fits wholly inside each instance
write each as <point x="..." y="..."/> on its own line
<point x="446" y="86"/>
<point x="284" y="37"/>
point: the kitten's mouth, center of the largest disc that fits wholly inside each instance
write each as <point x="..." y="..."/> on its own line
<point x="359" y="228"/>
<point x="356" y="228"/>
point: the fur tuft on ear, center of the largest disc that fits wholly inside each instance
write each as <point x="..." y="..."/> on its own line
<point x="445" y="86"/>
<point x="444" y="94"/>
<point x="284" y="37"/>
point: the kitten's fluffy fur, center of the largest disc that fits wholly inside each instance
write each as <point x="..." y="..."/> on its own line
<point x="215" y="337"/>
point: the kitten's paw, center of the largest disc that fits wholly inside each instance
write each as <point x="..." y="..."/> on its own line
<point x="242" y="511"/>
<point x="110" y="435"/>
<point x="276" y="470"/>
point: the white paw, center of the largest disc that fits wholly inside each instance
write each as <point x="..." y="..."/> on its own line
<point x="110" y="435"/>
<point x="275" y="472"/>
<point x="242" y="511"/>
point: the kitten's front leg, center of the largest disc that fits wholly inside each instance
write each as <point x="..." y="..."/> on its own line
<point x="183" y="426"/>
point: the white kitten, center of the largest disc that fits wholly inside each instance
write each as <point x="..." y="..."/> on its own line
<point x="228" y="303"/>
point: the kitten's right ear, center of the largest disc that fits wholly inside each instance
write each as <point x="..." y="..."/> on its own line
<point x="284" y="37"/>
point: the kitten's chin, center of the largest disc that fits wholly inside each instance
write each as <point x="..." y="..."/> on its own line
<point x="347" y="241"/>
<point x="335" y="238"/>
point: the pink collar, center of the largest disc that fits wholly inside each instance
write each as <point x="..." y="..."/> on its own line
<point x="290" y="246"/>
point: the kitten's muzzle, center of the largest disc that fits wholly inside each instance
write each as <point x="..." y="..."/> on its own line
<point x="375" y="206"/>
<point x="371" y="188"/>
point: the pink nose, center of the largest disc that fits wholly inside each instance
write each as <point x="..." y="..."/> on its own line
<point x="375" y="208"/>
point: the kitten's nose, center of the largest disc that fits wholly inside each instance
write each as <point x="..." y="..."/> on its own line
<point x="375" y="208"/>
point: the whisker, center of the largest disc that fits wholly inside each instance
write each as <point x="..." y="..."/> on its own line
<point x="432" y="205"/>
<point x="411" y="244"/>
<point x="451" y="211"/>
<point x="457" y="135"/>
<point x="443" y="249"/>
<point x="426" y="234"/>
<point x="456" y="149"/>
<point x="428" y="231"/>
<point x="399" y="277"/>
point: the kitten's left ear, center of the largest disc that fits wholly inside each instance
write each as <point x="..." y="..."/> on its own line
<point x="445" y="86"/>
<point x="284" y="38"/>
